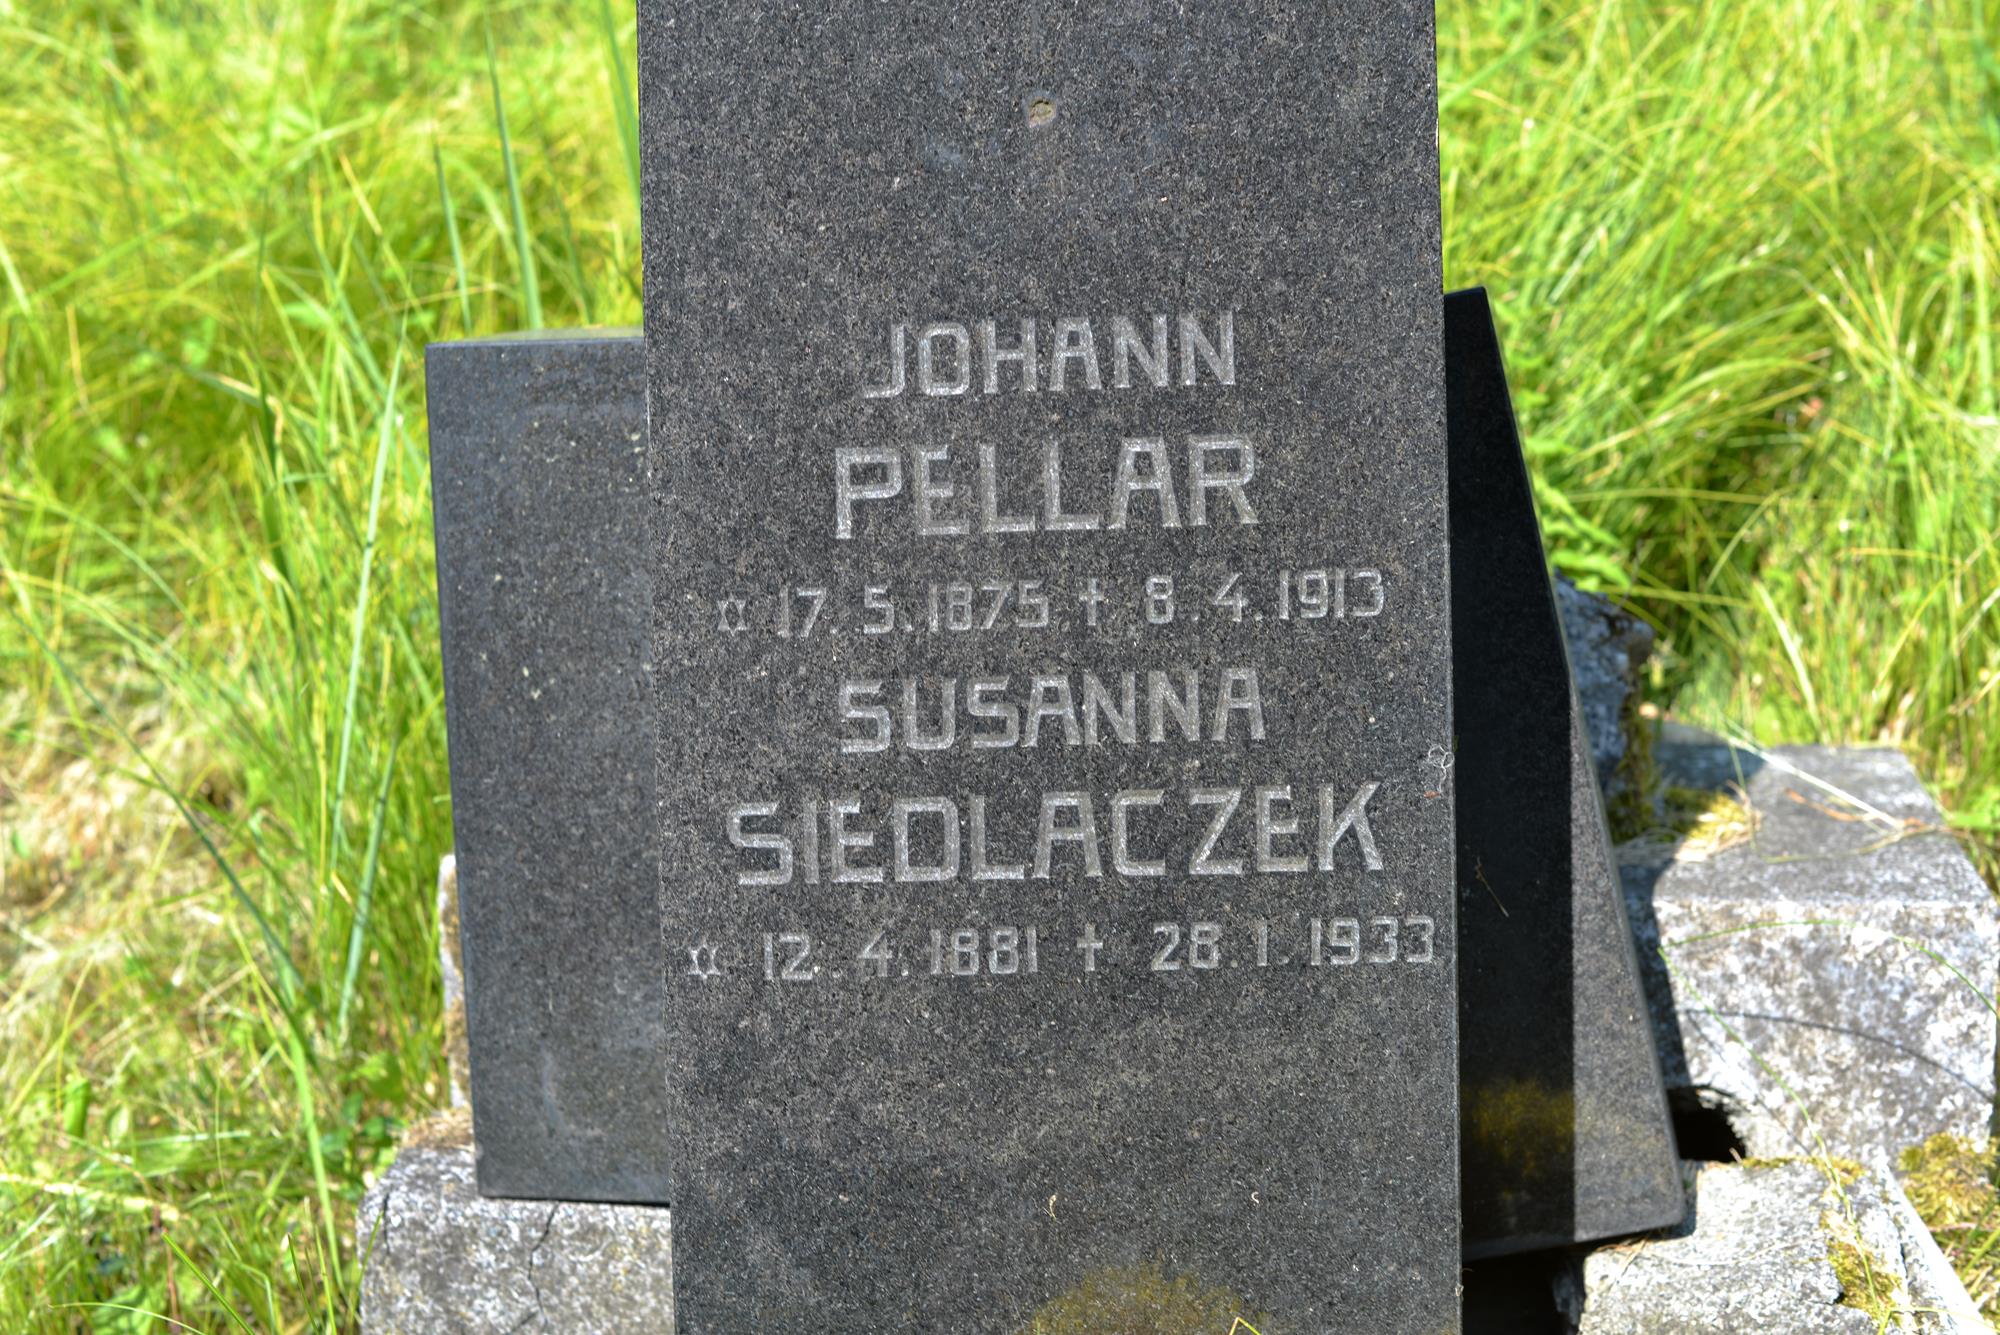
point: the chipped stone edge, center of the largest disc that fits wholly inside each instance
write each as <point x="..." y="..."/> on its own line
<point x="1937" y="1296"/>
<point x="451" y="970"/>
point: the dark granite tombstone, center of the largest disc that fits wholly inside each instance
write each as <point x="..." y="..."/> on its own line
<point x="538" y="472"/>
<point x="1598" y="1178"/>
<point x="1565" y="1134"/>
<point x="1052" y="628"/>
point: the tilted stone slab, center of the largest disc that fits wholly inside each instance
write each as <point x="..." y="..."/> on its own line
<point x="1565" y="1129"/>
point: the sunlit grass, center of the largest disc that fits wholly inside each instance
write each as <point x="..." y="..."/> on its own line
<point x="1745" y="258"/>
<point x="223" y="244"/>
<point x="1743" y="254"/>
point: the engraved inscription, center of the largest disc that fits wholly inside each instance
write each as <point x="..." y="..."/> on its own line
<point x="1056" y="355"/>
<point x="934" y="491"/>
<point x="1304" y="599"/>
<point x="1191" y="685"/>
<point x="1298" y="943"/>
<point x="1260" y="830"/>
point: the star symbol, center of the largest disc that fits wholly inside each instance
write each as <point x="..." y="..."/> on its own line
<point x="729" y="616"/>
<point x="701" y="961"/>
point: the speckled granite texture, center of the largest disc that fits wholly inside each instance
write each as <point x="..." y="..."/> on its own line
<point x="890" y="579"/>
<point x="1818" y="953"/>
<point x="443" y="1260"/>
<point x="1757" y="1255"/>
<point x="538" y="481"/>
<point x="1608" y="648"/>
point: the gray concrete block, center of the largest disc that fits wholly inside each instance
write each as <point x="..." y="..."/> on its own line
<point x="1827" y="964"/>
<point x="1795" y="1246"/>
<point x="443" y="1260"/>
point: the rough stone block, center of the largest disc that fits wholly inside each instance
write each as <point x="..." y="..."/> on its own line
<point x="1792" y="1246"/>
<point x="1608" y="649"/>
<point x="443" y="1260"/>
<point x="458" y="1058"/>
<point x="1829" y="951"/>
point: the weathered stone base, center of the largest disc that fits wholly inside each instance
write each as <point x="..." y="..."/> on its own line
<point x="1829" y="950"/>
<point x="443" y="1260"/>
<point x="1783" y="1246"/>
<point x="1792" y="1246"/>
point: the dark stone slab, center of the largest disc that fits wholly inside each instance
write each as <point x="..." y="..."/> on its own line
<point x="918" y="1084"/>
<point x="1565" y="1130"/>
<point x="1511" y="1210"/>
<point x="537" y="472"/>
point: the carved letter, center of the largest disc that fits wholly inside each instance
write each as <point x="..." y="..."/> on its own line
<point x="1355" y="818"/>
<point x="927" y="379"/>
<point x="848" y="461"/>
<point x="895" y="385"/>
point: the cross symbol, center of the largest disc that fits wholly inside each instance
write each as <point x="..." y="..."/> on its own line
<point x="1092" y="598"/>
<point x="1089" y="943"/>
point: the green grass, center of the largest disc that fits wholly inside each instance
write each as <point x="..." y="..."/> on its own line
<point x="1744" y="252"/>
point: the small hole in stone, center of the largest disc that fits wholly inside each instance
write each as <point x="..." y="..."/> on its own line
<point x="1702" y="1128"/>
<point x="1041" y="110"/>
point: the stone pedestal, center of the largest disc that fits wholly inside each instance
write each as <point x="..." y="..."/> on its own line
<point x="443" y="1260"/>
<point x="1829" y="951"/>
<point x="1795" y="1246"/>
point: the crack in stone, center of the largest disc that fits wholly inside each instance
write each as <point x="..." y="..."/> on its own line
<point x="534" y="1284"/>
<point x="377" y="1242"/>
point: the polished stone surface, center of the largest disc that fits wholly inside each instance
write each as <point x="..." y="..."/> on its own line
<point x="1565" y="1135"/>
<point x="537" y="474"/>
<point x="965" y="1037"/>
<point x="1829" y="948"/>
<point x="1507" y="1211"/>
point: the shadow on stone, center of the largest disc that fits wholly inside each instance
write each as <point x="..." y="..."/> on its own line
<point x="1702" y="1128"/>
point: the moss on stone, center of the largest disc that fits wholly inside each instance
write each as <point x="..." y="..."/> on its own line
<point x="1146" y="1300"/>
<point x="1866" y="1282"/>
<point x="447" y="1130"/>
<point x="1515" y="1125"/>
<point x="1707" y="821"/>
<point x="1843" y="1173"/>
<point x="1629" y="812"/>
<point x="1950" y="1181"/>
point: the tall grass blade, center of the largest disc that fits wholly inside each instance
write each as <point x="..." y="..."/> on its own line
<point x="360" y="620"/>
<point x="222" y="1300"/>
<point x="289" y="981"/>
<point x="463" y="284"/>
<point x="357" y="940"/>
<point x="524" y="246"/>
<point x="624" y="95"/>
